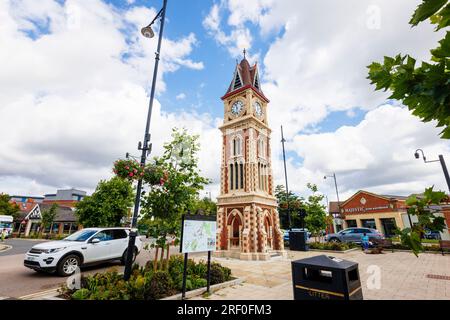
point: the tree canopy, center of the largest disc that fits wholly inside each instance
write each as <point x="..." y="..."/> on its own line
<point x="7" y="208"/>
<point x="295" y="204"/>
<point x="174" y="182"/>
<point x="108" y="205"/>
<point x="424" y="89"/>
<point x="420" y="207"/>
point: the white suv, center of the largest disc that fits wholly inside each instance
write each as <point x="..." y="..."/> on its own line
<point x="87" y="246"/>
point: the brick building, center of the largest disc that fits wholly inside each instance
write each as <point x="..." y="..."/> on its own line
<point x="248" y="224"/>
<point x="381" y="212"/>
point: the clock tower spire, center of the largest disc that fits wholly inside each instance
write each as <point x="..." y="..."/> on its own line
<point x="248" y="224"/>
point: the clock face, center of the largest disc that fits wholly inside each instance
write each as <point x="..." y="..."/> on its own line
<point x="237" y="108"/>
<point x="258" y="108"/>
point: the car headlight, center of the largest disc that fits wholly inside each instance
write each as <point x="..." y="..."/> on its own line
<point x="54" y="250"/>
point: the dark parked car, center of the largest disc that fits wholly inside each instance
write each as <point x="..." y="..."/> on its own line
<point x="435" y="235"/>
<point x="354" y="235"/>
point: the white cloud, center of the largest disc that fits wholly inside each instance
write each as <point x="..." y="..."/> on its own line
<point x="376" y="155"/>
<point x="317" y="64"/>
<point x="181" y="96"/>
<point x="73" y="99"/>
<point x="235" y="42"/>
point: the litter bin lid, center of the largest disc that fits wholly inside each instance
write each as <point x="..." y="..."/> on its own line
<point x="327" y="262"/>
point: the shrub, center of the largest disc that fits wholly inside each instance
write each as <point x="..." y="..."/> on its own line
<point x="81" y="294"/>
<point x="144" y="284"/>
<point x="160" y="285"/>
<point x="217" y="274"/>
<point x="336" y="246"/>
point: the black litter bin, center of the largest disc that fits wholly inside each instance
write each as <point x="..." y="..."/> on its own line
<point x="326" y="278"/>
<point x="298" y="241"/>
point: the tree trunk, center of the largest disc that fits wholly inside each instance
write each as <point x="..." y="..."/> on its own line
<point x="167" y="256"/>
<point x="162" y="258"/>
<point x="155" y="261"/>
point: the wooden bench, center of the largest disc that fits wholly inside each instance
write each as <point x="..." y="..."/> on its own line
<point x="444" y="244"/>
<point x="383" y="243"/>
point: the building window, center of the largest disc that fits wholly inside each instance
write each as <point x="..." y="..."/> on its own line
<point x="237" y="147"/>
<point x="369" y="223"/>
<point x="67" y="227"/>
<point x="237" y="176"/>
<point x="351" y="223"/>
<point x="231" y="176"/>
<point x="241" y="168"/>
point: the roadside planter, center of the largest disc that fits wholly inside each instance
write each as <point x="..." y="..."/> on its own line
<point x="147" y="284"/>
<point x="333" y="247"/>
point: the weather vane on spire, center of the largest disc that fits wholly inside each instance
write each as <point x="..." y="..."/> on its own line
<point x="245" y="51"/>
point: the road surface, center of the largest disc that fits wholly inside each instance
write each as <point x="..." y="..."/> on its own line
<point x="17" y="280"/>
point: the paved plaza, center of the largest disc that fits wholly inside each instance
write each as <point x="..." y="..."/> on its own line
<point x="403" y="276"/>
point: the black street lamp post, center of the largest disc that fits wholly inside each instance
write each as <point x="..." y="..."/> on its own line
<point x="337" y="192"/>
<point x="286" y="179"/>
<point x="147" y="146"/>
<point x="441" y="160"/>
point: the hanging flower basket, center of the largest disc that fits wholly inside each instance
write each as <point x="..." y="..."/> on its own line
<point x="128" y="169"/>
<point x="155" y="176"/>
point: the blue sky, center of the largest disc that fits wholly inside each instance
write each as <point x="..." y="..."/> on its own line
<point x="86" y="59"/>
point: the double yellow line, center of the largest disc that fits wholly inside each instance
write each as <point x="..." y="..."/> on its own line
<point x="40" y="294"/>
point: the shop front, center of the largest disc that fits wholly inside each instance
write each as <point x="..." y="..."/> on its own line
<point x="368" y="210"/>
<point x="30" y="222"/>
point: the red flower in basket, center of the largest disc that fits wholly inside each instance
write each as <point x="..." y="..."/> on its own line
<point x="131" y="174"/>
<point x="127" y="167"/>
<point x="162" y="181"/>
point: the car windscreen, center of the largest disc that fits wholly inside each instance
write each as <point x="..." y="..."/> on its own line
<point x="5" y="224"/>
<point x="82" y="235"/>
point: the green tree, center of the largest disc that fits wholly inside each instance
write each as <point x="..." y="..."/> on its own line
<point x="7" y="208"/>
<point x="108" y="205"/>
<point x="420" y="207"/>
<point x="295" y="203"/>
<point x="48" y="216"/>
<point x="174" y="183"/>
<point x="425" y="89"/>
<point x="316" y="216"/>
<point x="205" y="205"/>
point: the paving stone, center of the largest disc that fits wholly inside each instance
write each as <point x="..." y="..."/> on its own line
<point x="403" y="276"/>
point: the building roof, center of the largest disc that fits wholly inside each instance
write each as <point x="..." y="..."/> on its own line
<point x="245" y="77"/>
<point x="63" y="214"/>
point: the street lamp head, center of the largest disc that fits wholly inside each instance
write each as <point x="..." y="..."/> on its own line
<point x="325" y="177"/>
<point x="416" y="154"/>
<point x="148" y="32"/>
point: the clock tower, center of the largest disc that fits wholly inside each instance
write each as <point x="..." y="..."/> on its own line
<point x="248" y="225"/>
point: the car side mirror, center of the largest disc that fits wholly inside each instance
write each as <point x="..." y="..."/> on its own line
<point x="95" y="240"/>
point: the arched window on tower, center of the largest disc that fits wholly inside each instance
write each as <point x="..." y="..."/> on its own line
<point x="237" y="146"/>
<point x="231" y="176"/>
<point x="241" y="168"/>
<point x="237" y="176"/>
<point x="261" y="148"/>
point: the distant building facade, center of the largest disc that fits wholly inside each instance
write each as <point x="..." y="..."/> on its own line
<point x="65" y="197"/>
<point x="382" y="212"/>
<point x="31" y="208"/>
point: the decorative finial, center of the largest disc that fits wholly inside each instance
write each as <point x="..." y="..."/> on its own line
<point x="245" y="51"/>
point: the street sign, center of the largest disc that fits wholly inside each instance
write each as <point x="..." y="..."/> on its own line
<point x="198" y="234"/>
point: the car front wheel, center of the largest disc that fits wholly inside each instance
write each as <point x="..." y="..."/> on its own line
<point x="68" y="265"/>
<point x="335" y="240"/>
